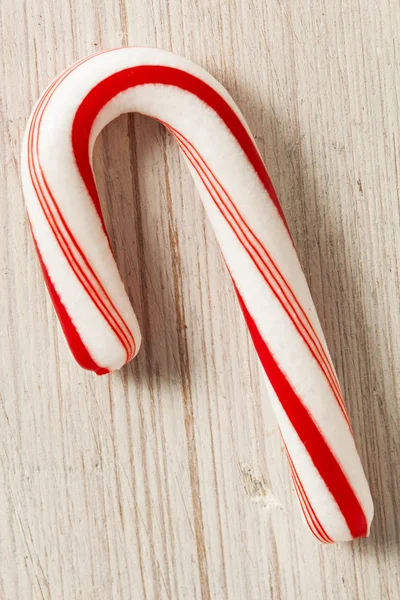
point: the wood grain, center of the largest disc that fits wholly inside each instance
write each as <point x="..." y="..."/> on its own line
<point x="167" y="479"/>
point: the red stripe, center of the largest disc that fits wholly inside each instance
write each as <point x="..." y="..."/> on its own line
<point x="310" y="435"/>
<point x="307" y="504"/>
<point x="155" y="74"/>
<point x="321" y="358"/>
<point x="304" y="509"/>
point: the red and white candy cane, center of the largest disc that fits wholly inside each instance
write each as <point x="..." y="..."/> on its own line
<point x="89" y="296"/>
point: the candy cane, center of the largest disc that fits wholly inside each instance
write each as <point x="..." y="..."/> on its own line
<point x="89" y="296"/>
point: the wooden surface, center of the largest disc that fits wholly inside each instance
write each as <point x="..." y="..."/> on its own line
<point x="168" y="479"/>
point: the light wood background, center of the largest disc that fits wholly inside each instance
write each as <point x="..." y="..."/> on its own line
<point x="168" y="479"/>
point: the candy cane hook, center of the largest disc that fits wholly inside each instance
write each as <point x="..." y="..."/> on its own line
<point x="89" y="296"/>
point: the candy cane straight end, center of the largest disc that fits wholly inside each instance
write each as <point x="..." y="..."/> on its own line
<point x="90" y="299"/>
